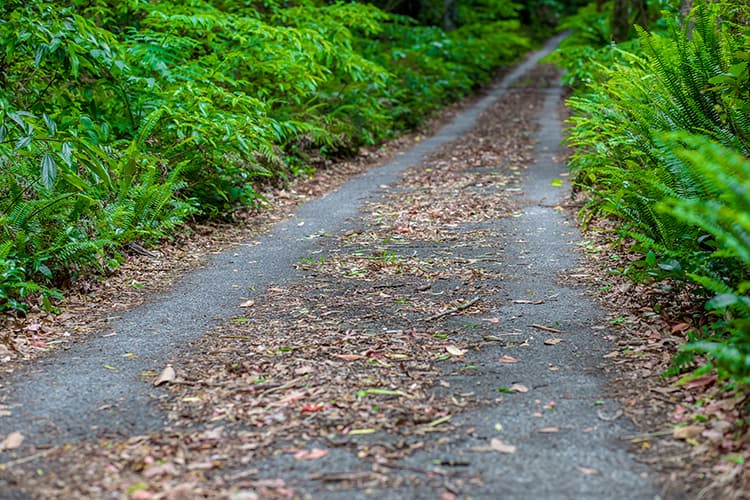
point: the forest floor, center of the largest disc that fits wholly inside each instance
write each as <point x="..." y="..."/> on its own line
<point x="424" y="322"/>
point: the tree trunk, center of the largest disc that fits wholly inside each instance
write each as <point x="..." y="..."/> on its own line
<point x="619" y="22"/>
<point x="685" y="7"/>
<point x="449" y="15"/>
<point x="640" y="9"/>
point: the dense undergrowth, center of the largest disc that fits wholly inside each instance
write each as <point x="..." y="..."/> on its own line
<point x="120" y="119"/>
<point x="661" y="132"/>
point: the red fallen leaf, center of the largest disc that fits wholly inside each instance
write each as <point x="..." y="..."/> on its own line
<point x="508" y="359"/>
<point x="700" y="382"/>
<point x="403" y="230"/>
<point x="312" y="454"/>
<point x="348" y="357"/>
<point x="373" y="354"/>
<point x="311" y="408"/>
<point x="39" y="343"/>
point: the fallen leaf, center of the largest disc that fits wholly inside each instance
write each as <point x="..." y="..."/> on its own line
<point x="518" y="388"/>
<point x="12" y="441"/>
<point x="348" y="357"/>
<point x="687" y="432"/>
<point x="167" y="376"/>
<point x="182" y="491"/>
<point x="312" y="408"/>
<point x="312" y="454"/>
<point x="455" y="351"/>
<point x="552" y="341"/>
<point x="508" y="359"/>
<point x="680" y="327"/>
<point x="700" y="382"/>
<point x="167" y="469"/>
<point x="605" y="417"/>
<point x="548" y="430"/>
<point x="501" y="447"/>
<point x="248" y="303"/>
<point x="612" y="354"/>
<point x="141" y="495"/>
<point x="588" y="471"/>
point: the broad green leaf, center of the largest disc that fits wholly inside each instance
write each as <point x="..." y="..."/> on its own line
<point x="49" y="171"/>
<point x="23" y="142"/>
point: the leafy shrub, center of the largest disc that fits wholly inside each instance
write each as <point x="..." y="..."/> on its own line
<point x="683" y="196"/>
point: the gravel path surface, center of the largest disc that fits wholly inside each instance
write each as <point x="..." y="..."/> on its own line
<point x="407" y="336"/>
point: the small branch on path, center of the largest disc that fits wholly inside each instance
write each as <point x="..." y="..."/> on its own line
<point x="453" y="310"/>
<point x="336" y="477"/>
<point x="647" y="435"/>
<point x="545" y="328"/>
<point x="30" y="458"/>
<point x="288" y="385"/>
<point x="389" y="285"/>
<point x="393" y="465"/>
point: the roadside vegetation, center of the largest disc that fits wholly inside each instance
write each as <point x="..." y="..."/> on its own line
<point x="120" y="120"/>
<point x="661" y="138"/>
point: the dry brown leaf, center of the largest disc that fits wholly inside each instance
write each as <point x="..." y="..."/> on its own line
<point x="501" y="447"/>
<point x="348" y="357"/>
<point x="687" y="432"/>
<point x="612" y="354"/>
<point x="508" y="359"/>
<point x="552" y="341"/>
<point x="12" y="441"/>
<point x="141" y="495"/>
<point x="518" y="388"/>
<point x="312" y="454"/>
<point x="700" y="382"/>
<point x="455" y="351"/>
<point x="167" y="376"/>
<point x="167" y="469"/>
<point x="248" y="303"/>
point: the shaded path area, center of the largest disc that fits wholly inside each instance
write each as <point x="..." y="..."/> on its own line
<point x="411" y="335"/>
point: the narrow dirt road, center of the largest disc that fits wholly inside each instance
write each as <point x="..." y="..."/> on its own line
<point x="415" y="334"/>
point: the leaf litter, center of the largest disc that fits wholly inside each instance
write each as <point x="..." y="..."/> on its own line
<point x="346" y="357"/>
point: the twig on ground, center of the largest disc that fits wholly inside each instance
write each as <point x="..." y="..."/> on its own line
<point x="646" y="435"/>
<point x="545" y="328"/>
<point x="27" y="459"/>
<point x="453" y="310"/>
